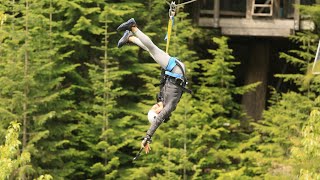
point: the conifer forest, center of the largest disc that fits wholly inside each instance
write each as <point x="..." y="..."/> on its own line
<point x="74" y="106"/>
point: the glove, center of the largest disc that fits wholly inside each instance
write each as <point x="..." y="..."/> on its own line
<point x="146" y="143"/>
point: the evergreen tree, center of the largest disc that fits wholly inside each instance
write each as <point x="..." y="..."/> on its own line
<point x="281" y="127"/>
<point x="103" y="113"/>
<point x="280" y="130"/>
<point x="9" y="161"/>
<point x="306" y="157"/>
<point x="217" y="149"/>
<point x="33" y="70"/>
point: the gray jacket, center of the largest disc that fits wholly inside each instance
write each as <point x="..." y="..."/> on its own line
<point x="171" y="94"/>
<point x="171" y="97"/>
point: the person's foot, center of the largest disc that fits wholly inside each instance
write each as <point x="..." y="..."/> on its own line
<point x="125" y="38"/>
<point x="127" y="25"/>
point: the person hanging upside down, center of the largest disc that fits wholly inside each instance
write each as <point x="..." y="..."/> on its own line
<point x="173" y="80"/>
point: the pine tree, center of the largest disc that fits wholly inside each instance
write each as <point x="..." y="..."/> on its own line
<point x="281" y="127"/>
<point x="9" y="161"/>
<point x="34" y="71"/>
<point x="105" y="116"/>
<point x="218" y="149"/>
<point x="306" y="157"/>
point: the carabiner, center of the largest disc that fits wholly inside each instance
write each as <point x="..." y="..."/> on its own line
<point x="172" y="10"/>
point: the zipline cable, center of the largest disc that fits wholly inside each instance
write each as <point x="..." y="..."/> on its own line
<point x="172" y="13"/>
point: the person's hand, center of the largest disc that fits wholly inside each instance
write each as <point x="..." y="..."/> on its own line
<point x="146" y="145"/>
<point x="157" y="107"/>
<point x="147" y="148"/>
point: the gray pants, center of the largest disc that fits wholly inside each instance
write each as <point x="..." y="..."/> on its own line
<point x="156" y="53"/>
<point x="171" y="93"/>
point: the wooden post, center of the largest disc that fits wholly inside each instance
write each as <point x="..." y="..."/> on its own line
<point x="196" y="12"/>
<point x="296" y="15"/>
<point x="276" y="7"/>
<point x="249" y="9"/>
<point x="216" y="15"/>
<point x="285" y="8"/>
<point x="257" y="71"/>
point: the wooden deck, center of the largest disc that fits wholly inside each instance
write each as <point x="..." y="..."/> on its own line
<point x="256" y="27"/>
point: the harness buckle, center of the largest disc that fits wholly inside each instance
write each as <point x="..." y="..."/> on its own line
<point x="177" y="81"/>
<point x="180" y="81"/>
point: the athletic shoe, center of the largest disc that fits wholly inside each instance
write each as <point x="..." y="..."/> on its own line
<point x="124" y="39"/>
<point x="127" y="25"/>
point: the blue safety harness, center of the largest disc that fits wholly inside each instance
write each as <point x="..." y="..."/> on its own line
<point x="178" y="79"/>
<point x="171" y="64"/>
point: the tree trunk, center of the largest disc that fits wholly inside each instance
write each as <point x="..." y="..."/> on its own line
<point x="105" y="81"/>
<point x="26" y="88"/>
<point x="257" y="70"/>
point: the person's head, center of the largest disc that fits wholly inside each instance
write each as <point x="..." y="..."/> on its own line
<point x="152" y="116"/>
<point x="154" y="111"/>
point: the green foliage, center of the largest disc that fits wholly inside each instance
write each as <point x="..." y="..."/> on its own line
<point x="280" y="131"/>
<point x="218" y="145"/>
<point x="45" y="177"/>
<point x="302" y="58"/>
<point x="313" y="12"/>
<point x="36" y="90"/>
<point x="82" y="102"/>
<point x="284" y="134"/>
<point x="307" y="154"/>
<point x="10" y="157"/>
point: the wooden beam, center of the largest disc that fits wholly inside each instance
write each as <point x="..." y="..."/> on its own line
<point x="257" y="27"/>
<point x="216" y="14"/>
<point x="262" y="14"/>
<point x="224" y="13"/>
<point x="262" y="5"/>
<point x="256" y="32"/>
<point x="267" y="4"/>
<point x="296" y="15"/>
<point x="276" y="7"/>
<point x="249" y="9"/>
<point x="196" y="12"/>
<point x="250" y="23"/>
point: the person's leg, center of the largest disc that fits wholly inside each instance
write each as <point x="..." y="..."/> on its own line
<point x="159" y="56"/>
<point x="137" y="41"/>
<point x="128" y="37"/>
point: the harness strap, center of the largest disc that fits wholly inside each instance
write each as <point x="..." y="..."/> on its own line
<point x="172" y="12"/>
<point x="179" y="76"/>
<point x="171" y="64"/>
<point x="179" y="65"/>
<point x="186" y="90"/>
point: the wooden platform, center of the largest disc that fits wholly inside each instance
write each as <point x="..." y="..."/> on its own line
<point x="256" y="27"/>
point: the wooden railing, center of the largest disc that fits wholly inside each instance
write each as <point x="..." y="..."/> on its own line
<point x="265" y="9"/>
